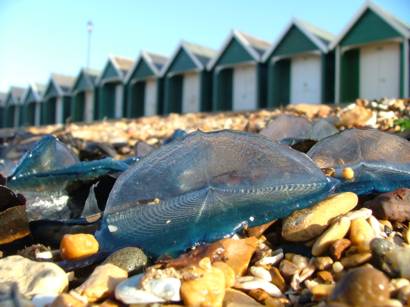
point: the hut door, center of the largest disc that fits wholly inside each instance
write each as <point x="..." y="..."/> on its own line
<point x="37" y="112"/>
<point x="379" y="71"/>
<point x="118" y="100"/>
<point x="150" y="97"/>
<point x="59" y="110"/>
<point x="89" y="105"/>
<point x="190" y="93"/>
<point x="305" y="79"/>
<point x="244" y="88"/>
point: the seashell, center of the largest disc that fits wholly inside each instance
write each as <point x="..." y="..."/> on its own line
<point x="380" y="161"/>
<point x="208" y="185"/>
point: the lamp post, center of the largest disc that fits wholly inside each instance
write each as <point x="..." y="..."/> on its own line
<point x="89" y="31"/>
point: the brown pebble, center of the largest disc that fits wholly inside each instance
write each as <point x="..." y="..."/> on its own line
<point x="14" y="224"/>
<point x="326" y="276"/>
<point x="348" y="173"/>
<point x="258" y="294"/>
<point x="322" y="263"/>
<point x="288" y="268"/>
<point x="228" y="272"/>
<point x="361" y="234"/>
<point x="355" y="260"/>
<point x="235" y="298"/>
<point x="277" y="278"/>
<point x="67" y="300"/>
<point x="257" y="231"/>
<point x="78" y="246"/>
<point x="321" y="291"/>
<point x="338" y="247"/>
<point x="363" y="286"/>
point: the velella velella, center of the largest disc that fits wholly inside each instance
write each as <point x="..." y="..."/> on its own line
<point x="290" y="129"/>
<point x="380" y="161"/>
<point x="205" y="186"/>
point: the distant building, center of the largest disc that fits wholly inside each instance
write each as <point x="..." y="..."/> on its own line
<point x="187" y="83"/>
<point x="32" y="102"/>
<point x="85" y="96"/>
<point x="13" y="111"/>
<point x="56" y="108"/>
<point x="111" y="94"/>
<point x="239" y="74"/>
<point x="300" y="66"/>
<point x="144" y="85"/>
<point x="372" y="56"/>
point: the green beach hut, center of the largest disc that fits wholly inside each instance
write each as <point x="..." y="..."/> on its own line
<point x="2" y="108"/>
<point x="111" y="94"/>
<point x="239" y="74"/>
<point x="187" y="82"/>
<point x="84" y="95"/>
<point x="300" y="66"/>
<point x="372" y="56"/>
<point x="56" y="107"/>
<point x="32" y="102"/>
<point x="144" y="85"/>
<point x="13" y="114"/>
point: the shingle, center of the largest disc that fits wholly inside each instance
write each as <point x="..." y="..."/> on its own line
<point x="259" y="45"/>
<point x="63" y="81"/>
<point x="202" y="53"/>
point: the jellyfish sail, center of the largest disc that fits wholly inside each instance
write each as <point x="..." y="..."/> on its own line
<point x="205" y="186"/>
<point x="380" y="161"/>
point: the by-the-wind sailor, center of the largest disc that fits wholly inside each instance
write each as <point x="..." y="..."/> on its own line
<point x="206" y="186"/>
<point x="380" y="161"/>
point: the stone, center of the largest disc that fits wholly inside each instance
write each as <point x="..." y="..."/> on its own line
<point x="257" y="283"/>
<point x="392" y="206"/>
<point x="306" y="224"/>
<point x="10" y="296"/>
<point x="14" y="224"/>
<point x="355" y="259"/>
<point x="67" y="300"/>
<point x="229" y="273"/>
<point x="207" y="289"/>
<point x="338" y="247"/>
<point x="361" y="233"/>
<point x="131" y="259"/>
<point x="235" y="298"/>
<point x="277" y="278"/>
<point x="288" y="268"/>
<point x="362" y="286"/>
<point x="311" y="110"/>
<point x="326" y="276"/>
<point x="257" y="231"/>
<point x="33" y="277"/>
<point x="355" y="116"/>
<point x="260" y="272"/>
<point x="102" y="282"/>
<point x="321" y="291"/>
<point x="335" y="232"/>
<point x="322" y="263"/>
<point x="78" y="246"/>
<point x="348" y="173"/>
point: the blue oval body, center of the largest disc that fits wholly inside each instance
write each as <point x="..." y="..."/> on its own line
<point x="380" y="161"/>
<point x="205" y="186"/>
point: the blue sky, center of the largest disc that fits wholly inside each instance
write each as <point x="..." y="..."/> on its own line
<point x="38" y="37"/>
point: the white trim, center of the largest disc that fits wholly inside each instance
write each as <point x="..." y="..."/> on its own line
<point x="383" y="41"/>
<point x="181" y="45"/>
<point x="144" y="55"/>
<point x="406" y="72"/>
<point x="337" y="75"/>
<point x="298" y="24"/>
<point x="235" y="34"/>
<point x="291" y="55"/>
<point x="222" y="67"/>
<point x="378" y="11"/>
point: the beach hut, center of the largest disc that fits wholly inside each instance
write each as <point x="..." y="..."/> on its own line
<point x="13" y="111"/>
<point x="84" y="95"/>
<point x="144" y="85"/>
<point x="2" y="108"/>
<point x="111" y="94"/>
<point x="238" y="73"/>
<point x="300" y="66"/>
<point x="32" y="101"/>
<point x="372" y="56"/>
<point x="187" y="83"/>
<point x="56" y="107"/>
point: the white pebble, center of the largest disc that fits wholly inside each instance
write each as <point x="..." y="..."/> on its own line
<point x="377" y="227"/>
<point x="266" y="286"/>
<point x="363" y="213"/>
<point x="42" y="300"/>
<point x="260" y="272"/>
<point x="270" y="260"/>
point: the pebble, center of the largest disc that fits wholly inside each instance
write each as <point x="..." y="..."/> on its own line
<point x="335" y="232"/>
<point x="394" y="261"/>
<point x="130" y="259"/>
<point x="338" y="247"/>
<point x="277" y="278"/>
<point x="355" y="116"/>
<point x="321" y="291"/>
<point x="260" y="272"/>
<point x="102" y="282"/>
<point x="228" y="272"/>
<point x="337" y="267"/>
<point x="361" y="233"/>
<point x="288" y="268"/>
<point x="78" y="246"/>
<point x="208" y="289"/>
<point x="14" y="224"/>
<point x="67" y="300"/>
<point x="363" y="286"/>
<point x="348" y="173"/>
<point x="355" y="259"/>
<point x="238" y="253"/>
<point x="262" y="284"/>
<point x="306" y="224"/>
<point x="33" y="277"/>
<point x="326" y="276"/>
<point x="392" y="206"/>
<point x="235" y="298"/>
